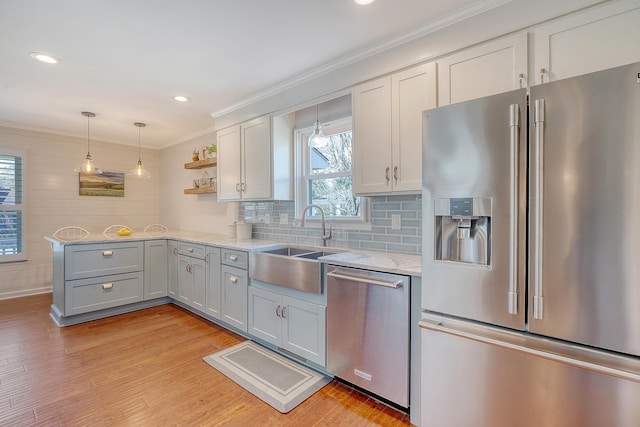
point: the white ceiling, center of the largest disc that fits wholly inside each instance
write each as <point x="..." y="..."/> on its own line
<point x="126" y="59"/>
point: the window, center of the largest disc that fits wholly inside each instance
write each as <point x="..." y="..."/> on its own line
<point x="325" y="175"/>
<point x="11" y="206"/>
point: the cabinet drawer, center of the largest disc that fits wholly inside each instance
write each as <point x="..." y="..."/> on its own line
<point x="85" y="295"/>
<point x="191" y="249"/>
<point x="239" y="259"/>
<point x="100" y="259"/>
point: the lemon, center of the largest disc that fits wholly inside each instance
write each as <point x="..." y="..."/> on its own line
<point x="124" y="232"/>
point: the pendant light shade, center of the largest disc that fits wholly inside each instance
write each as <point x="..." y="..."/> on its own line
<point x="139" y="170"/>
<point x="87" y="166"/>
<point x="317" y="138"/>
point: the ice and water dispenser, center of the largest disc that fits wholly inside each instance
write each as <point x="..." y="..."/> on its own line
<point x="463" y="230"/>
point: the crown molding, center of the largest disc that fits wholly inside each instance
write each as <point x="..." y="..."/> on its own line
<point x="356" y="56"/>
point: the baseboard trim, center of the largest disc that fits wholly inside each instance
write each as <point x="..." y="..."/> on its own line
<point x="25" y="293"/>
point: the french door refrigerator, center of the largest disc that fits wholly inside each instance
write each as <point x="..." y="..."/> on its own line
<point x="531" y="256"/>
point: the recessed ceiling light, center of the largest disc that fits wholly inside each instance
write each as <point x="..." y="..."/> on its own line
<point x="363" y="2"/>
<point x="44" y="57"/>
<point x="181" y="98"/>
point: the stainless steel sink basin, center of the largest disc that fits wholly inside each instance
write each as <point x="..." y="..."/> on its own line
<point x="292" y="267"/>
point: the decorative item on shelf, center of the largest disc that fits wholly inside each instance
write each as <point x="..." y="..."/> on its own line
<point x="206" y="181"/>
<point x="139" y="171"/>
<point x="212" y="150"/>
<point x="195" y="156"/>
<point x="87" y="166"/>
<point x="196" y="183"/>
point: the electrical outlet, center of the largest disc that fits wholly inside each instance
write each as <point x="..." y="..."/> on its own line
<point x="284" y="218"/>
<point x="267" y="218"/>
<point x="396" y="222"/>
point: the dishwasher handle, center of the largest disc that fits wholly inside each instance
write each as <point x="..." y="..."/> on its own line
<point x="393" y="285"/>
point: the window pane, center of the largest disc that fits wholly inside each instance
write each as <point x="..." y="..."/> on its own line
<point x="334" y="157"/>
<point x="10" y="232"/>
<point x="10" y="180"/>
<point x="334" y="195"/>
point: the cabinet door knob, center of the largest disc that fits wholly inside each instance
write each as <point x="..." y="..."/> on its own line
<point x="233" y="279"/>
<point x="107" y="253"/>
<point x="106" y="286"/>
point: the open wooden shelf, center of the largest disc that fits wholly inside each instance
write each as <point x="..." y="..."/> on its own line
<point x="200" y="164"/>
<point x="203" y="190"/>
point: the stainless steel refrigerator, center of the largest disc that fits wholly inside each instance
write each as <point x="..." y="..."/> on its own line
<point x="531" y="256"/>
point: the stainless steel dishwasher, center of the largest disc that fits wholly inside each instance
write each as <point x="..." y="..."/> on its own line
<point x="368" y="331"/>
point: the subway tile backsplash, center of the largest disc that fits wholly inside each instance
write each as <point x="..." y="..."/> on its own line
<point x="382" y="237"/>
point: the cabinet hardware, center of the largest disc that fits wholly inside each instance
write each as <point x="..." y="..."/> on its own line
<point x="243" y="187"/>
<point x="238" y="187"/>
<point x="542" y="73"/>
<point x="189" y="249"/>
<point x="278" y="311"/>
<point x="107" y="253"/>
<point x="107" y="286"/>
<point x="395" y="174"/>
<point x="206" y="258"/>
<point x="233" y="257"/>
<point x="386" y="175"/>
<point x="175" y="251"/>
<point x="233" y="279"/>
<point x="283" y="313"/>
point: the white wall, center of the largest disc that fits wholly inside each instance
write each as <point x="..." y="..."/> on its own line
<point x="52" y="199"/>
<point x="191" y="212"/>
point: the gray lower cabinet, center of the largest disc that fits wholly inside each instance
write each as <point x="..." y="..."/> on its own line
<point x="172" y="269"/>
<point x="191" y="281"/>
<point x="155" y="269"/>
<point x="290" y="323"/>
<point x="192" y="275"/>
<point x="233" y="302"/>
<point x="101" y="275"/>
<point x="97" y="293"/>
<point x="213" y="289"/>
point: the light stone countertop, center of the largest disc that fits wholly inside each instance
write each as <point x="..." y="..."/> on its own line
<point x="390" y="262"/>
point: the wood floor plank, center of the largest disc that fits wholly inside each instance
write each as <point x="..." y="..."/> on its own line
<point x="144" y="369"/>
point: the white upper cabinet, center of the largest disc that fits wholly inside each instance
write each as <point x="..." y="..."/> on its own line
<point x="247" y="169"/>
<point x="589" y="41"/>
<point x="494" y="67"/>
<point x="387" y="130"/>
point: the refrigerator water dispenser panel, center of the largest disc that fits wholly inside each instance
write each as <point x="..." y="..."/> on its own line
<point x="463" y="230"/>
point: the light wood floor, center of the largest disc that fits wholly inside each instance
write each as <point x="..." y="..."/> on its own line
<point x="143" y="369"/>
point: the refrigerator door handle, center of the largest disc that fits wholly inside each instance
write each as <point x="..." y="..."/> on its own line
<point x="539" y="119"/>
<point x="514" y="129"/>
<point x="504" y="342"/>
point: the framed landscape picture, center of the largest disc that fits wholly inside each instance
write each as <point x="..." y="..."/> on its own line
<point x="109" y="184"/>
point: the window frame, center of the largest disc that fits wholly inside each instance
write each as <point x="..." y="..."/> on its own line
<point x="22" y="207"/>
<point x="304" y="177"/>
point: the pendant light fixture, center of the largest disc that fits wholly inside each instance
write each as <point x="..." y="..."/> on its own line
<point x="87" y="165"/>
<point x="139" y="170"/>
<point x="317" y="138"/>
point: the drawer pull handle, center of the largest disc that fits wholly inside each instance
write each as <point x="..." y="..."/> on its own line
<point x="233" y="257"/>
<point x="189" y="249"/>
<point x="107" y="253"/>
<point x="233" y="279"/>
<point x="106" y="286"/>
